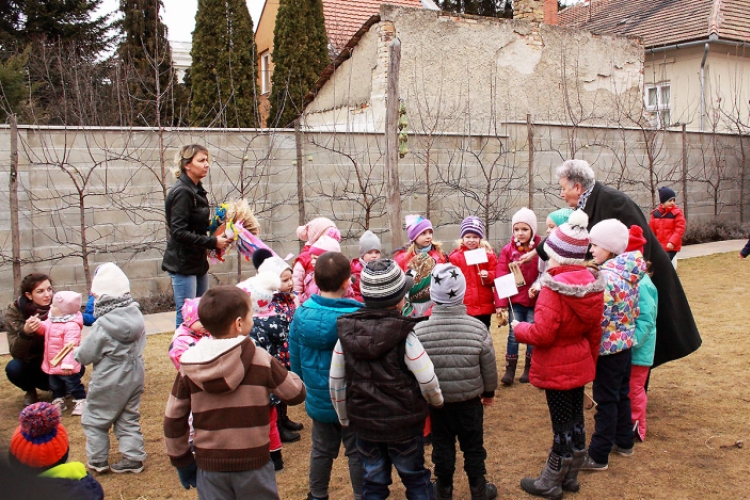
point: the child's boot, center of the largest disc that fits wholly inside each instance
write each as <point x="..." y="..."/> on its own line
<point x="525" y="377"/>
<point x="549" y="483"/>
<point x="510" y="369"/>
<point x="443" y="490"/>
<point x="284" y="419"/>
<point x="481" y="489"/>
<point x="286" y="435"/>
<point x="278" y="461"/>
<point x="570" y="483"/>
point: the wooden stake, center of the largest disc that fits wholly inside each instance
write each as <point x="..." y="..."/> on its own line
<point x="393" y="202"/>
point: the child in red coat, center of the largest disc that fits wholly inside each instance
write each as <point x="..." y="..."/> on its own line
<point x="668" y="222"/>
<point x="566" y="334"/>
<point x="524" y="240"/>
<point x="480" y="278"/>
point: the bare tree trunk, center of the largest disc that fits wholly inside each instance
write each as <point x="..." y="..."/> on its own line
<point x="429" y="189"/>
<point x="298" y="138"/>
<point x="530" y="136"/>
<point x="13" y="195"/>
<point x="391" y="145"/>
<point x="685" y="171"/>
<point x="84" y="240"/>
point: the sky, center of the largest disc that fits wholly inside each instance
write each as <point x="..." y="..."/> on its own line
<point x="179" y="15"/>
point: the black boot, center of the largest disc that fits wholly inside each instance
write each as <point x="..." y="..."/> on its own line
<point x="278" y="462"/>
<point x="286" y="435"/>
<point x="570" y="483"/>
<point x="481" y="489"/>
<point x="525" y="377"/>
<point x="442" y="490"/>
<point x="549" y="483"/>
<point x="284" y="419"/>
<point x="510" y="370"/>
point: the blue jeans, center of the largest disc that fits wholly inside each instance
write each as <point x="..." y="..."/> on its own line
<point x="524" y="314"/>
<point x="186" y="287"/>
<point x="408" y="458"/>
<point x="60" y="385"/>
<point x="326" y="443"/>
<point x="27" y="376"/>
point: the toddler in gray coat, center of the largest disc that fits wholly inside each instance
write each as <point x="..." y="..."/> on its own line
<point x="461" y="349"/>
<point x="115" y="347"/>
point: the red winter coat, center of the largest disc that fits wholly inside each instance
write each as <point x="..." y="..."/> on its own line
<point x="530" y="270"/>
<point x="479" y="298"/>
<point x="567" y="328"/>
<point x="668" y="225"/>
<point x="356" y="273"/>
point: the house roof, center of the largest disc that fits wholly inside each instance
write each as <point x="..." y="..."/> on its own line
<point x="344" y="18"/>
<point x="662" y="22"/>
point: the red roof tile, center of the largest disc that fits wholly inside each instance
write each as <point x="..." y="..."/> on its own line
<point x="345" y="17"/>
<point x="662" y="22"/>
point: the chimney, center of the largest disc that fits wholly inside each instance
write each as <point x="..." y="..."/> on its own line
<point x="550" y="12"/>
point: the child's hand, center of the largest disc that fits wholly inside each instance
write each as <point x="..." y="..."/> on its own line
<point x="502" y="316"/>
<point x="484" y="274"/>
<point x="188" y="476"/>
<point x="514" y="323"/>
<point x="32" y="324"/>
<point x="487" y="401"/>
<point x="670" y="246"/>
<point x="533" y="292"/>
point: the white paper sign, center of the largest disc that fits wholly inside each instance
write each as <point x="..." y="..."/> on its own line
<point x="478" y="256"/>
<point x="505" y="286"/>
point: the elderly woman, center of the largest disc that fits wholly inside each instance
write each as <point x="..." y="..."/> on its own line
<point x="188" y="213"/>
<point x="22" y="319"/>
<point x="677" y="332"/>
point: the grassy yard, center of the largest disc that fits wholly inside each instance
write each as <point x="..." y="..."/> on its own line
<point x="698" y="408"/>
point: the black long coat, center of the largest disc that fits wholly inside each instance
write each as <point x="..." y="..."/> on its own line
<point x="676" y="332"/>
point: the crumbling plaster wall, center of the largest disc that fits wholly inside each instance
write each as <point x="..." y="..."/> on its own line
<point x="468" y="73"/>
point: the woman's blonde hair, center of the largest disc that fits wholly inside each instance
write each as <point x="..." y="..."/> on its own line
<point x="185" y="155"/>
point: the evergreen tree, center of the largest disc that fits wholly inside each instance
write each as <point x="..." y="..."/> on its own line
<point x="488" y="8"/>
<point x="300" y="54"/>
<point x="223" y="75"/>
<point x="145" y="57"/>
<point x="14" y="89"/>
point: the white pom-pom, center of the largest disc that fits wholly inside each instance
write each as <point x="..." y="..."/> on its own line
<point x="412" y="219"/>
<point x="579" y="219"/>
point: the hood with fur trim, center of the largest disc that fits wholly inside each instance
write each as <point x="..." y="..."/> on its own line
<point x="215" y="365"/>
<point x="574" y="283"/>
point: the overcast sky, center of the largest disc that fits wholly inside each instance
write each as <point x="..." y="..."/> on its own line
<point x="179" y="15"/>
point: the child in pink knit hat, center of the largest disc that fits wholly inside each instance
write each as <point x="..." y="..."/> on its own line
<point x="324" y="244"/>
<point x="63" y="328"/>
<point x="310" y="233"/>
<point x="189" y="333"/>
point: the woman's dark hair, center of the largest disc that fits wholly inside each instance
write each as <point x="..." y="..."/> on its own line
<point x="30" y="281"/>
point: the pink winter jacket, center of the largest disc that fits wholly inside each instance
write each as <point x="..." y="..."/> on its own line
<point x="183" y="339"/>
<point x="56" y="336"/>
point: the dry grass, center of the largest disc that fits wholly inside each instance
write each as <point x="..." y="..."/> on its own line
<point x="692" y="400"/>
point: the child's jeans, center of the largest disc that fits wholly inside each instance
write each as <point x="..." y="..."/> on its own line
<point x="613" y="423"/>
<point x="326" y="442"/>
<point x="408" y="459"/>
<point x="523" y="314"/>
<point x="462" y="420"/>
<point x="639" y="398"/>
<point x="60" y="385"/>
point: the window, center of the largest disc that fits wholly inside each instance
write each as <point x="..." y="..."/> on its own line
<point x="265" y="73"/>
<point x="657" y="103"/>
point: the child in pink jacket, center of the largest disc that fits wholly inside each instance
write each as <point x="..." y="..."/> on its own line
<point x="62" y="327"/>
<point x="189" y="333"/>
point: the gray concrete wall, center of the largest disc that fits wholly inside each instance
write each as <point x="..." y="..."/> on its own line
<point x="118" y="172"/>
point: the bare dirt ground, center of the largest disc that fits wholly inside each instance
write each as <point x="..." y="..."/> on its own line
<point x="699" y="406"/>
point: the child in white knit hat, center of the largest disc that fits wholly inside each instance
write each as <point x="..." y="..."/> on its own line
<point x="524" y="240"/>
<point x="369" y="250"/>
<point x="623" y="271"/>
<point x="115" y="347"/>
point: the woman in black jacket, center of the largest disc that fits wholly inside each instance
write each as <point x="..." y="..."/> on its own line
<point x="188" y="213"/>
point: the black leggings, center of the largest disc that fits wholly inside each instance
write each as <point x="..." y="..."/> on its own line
<point x="566" y="413"/>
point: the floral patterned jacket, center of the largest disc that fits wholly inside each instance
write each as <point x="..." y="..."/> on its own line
<point x="621" y="298"/>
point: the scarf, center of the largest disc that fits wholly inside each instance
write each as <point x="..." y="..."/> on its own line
<point x="585" y="197"/>
<point x="28" y="308"/>
<point x="63" y="319"/>
<point x="107" y="304"/>
<point x="426" y="249"/>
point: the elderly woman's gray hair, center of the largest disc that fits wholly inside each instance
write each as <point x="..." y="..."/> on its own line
<point x="577" y="172"/>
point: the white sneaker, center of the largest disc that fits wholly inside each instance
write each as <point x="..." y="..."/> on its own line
<point x="80" y="405"/>
<point x="60" y="403"/>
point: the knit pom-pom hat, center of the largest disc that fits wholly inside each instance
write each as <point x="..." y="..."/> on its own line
<point x="636" y="241"/>
<point x="568" y="243"/>
<point x="109" y="280"/>
<point x="416" y="225"/>
<point x="325" y="244"/>
<point x="560" y="217"/>
<point x="67" y="302"/>
<point x="274" y="265"/>
<point x="316" y="228"/>
<point x="260" y="256"/>
<point x="472" y="225"/>
<point x="528" y="217"/>
<point x="448" y="285"/>
<point x="383" y="284"/>
<point x="611" y="235"/>
<point x="190" y="311"/>
<point x="368" y="242"/>
<point x="41" y="441"/>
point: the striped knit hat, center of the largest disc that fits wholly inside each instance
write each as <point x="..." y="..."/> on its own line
<point x="569" y="242"/>
<point x="473" y="225"/>
<point x="40" y="442"/>
<point x="416" y="225"/>
<point x="383" y="284"/>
